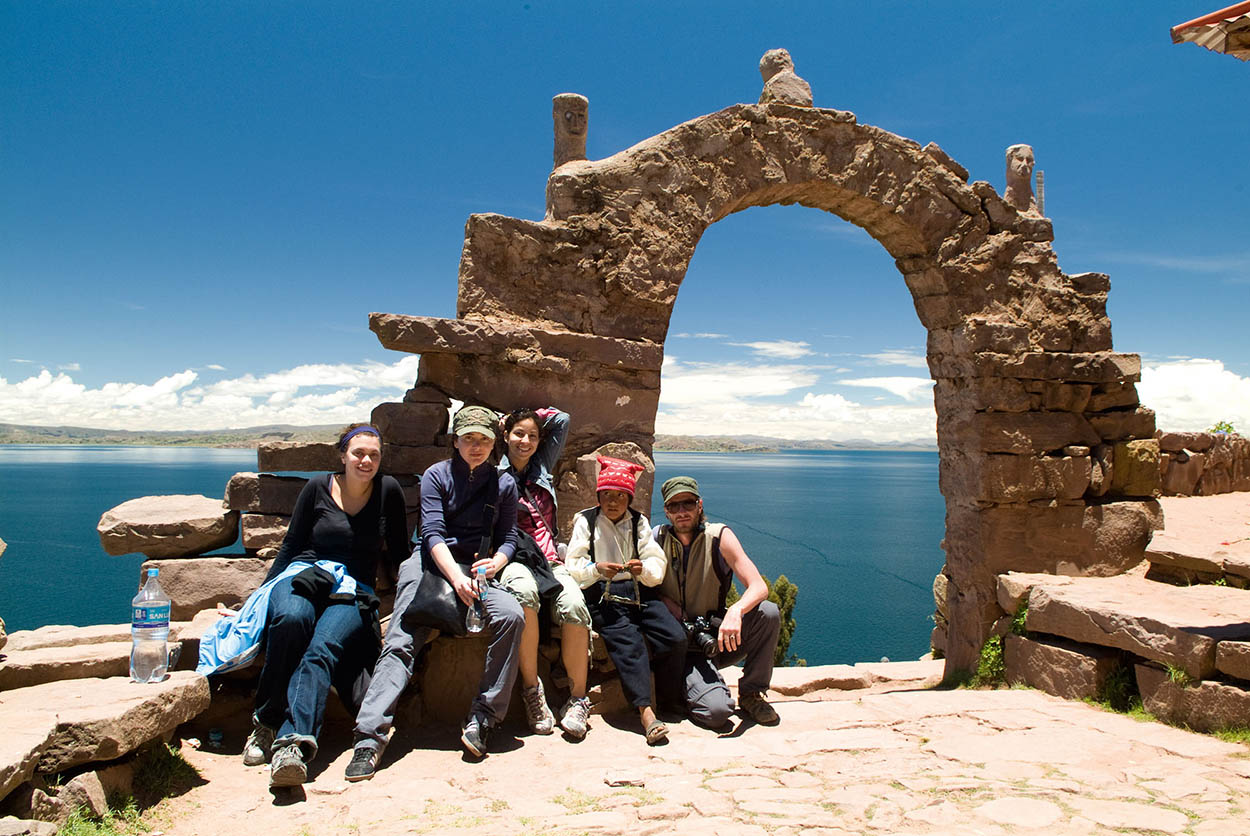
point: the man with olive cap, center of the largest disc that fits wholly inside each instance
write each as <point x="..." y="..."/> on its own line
<point x="702" y="561"/>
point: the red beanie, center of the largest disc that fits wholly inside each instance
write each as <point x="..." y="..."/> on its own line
<point x="617" y="475"/>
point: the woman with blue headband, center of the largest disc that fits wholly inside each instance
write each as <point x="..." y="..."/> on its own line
<point x="321" y="625"/>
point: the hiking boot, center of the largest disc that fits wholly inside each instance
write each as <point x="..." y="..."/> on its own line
<point x="575" y="717"/>
<point x="475" y="735"/>
<point x="259" y="745"/>
<point x="287" y="768"/>
<point x="364" y="763"/>
<point x="758" y="709"/>
<point x="537" y="713"/>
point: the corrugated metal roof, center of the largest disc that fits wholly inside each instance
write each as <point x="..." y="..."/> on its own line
<point x="1226" y="31"/>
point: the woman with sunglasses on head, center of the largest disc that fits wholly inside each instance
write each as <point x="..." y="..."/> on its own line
<point x="534" y="440"/>
<point x="468" y="535"/>
<point x="344" y="528"/>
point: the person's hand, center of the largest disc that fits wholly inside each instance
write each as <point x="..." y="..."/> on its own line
<point x="609" y="570"/>
<point x="635" y="567"/>
<point x="466" y="589"/>
<point x="494" y="565"/>
<point x="730" y="636"/>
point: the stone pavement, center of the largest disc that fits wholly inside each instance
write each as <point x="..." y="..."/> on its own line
<point x="876" y="760"/>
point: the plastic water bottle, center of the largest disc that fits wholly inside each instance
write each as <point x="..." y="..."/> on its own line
<point x="149" y="632"/>
<point x="475" y="618"/>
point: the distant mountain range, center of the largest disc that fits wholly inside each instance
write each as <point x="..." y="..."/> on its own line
<point x="252" y="436"/>
<point x="245" y="437"/>
<point x="767" y="444"/>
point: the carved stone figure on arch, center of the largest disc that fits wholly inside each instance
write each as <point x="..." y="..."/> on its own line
<point x="1019" y="191"/>
<point x="781" y="84"/>
<point x="570" y="114"/>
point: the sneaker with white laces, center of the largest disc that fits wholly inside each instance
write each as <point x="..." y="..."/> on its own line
<point x="363" y="764"/>
<point x="575" y="717"/>
<point x="259" y="745"/>
<point x="287" y="769"/>
<point x="537" y="713"/>
<point x="475" y="736"/>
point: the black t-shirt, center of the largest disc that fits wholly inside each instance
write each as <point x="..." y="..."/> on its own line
<point x="321" y="530"/>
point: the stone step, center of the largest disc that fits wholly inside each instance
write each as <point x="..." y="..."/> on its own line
<point x="1203" y="535"/>
<point x="24" y="668"/>
<point x="1173" y="625"/>
<point x="56" y="653"/>
<point x="58" y="725"/>
<point x="68" y="635"/>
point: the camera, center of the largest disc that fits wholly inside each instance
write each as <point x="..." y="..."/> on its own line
<point x="702" y="633"/>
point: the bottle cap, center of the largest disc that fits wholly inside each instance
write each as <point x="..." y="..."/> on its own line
<point x="152" y="572"/>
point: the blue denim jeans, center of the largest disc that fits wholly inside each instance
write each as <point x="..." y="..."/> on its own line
<point x="308" y="648"/>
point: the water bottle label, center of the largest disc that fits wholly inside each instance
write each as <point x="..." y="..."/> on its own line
<point x="150" y="616"/>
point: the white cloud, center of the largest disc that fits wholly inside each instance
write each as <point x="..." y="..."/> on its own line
<point x="312" y="394"/>
<point x="1189" y="395"/>
<point x="899" y="358"/>
<point x="907" y="388"/>
<point x="778" y="349"/>
<point x="702" y="335"/>
<point x="70" y="367"/>
<point x="739" y="399"/>
<point x="215" y="367"/>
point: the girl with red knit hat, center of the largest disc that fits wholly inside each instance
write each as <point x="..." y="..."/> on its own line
<point x="619" y="568"/>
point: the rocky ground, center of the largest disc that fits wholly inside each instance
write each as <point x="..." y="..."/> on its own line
<point x="886" y="759"/>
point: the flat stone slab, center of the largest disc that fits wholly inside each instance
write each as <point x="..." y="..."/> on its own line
<point x="1168" y="624"/>
<point x="263" y="493"/>
<point x="67" y="635"/>
<point x="1205" y="533"/>
<point x="52" y="727"/>
<point x="1233" y="658"/>
<point x="195" y="584"/>
<point x="24" y="668"/>
<point x="175" y="525"/>
<point x="1014" y="587"/>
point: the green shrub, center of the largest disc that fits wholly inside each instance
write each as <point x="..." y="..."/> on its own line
<point x="1222" y="427"/>
<point x="991" y="667"/>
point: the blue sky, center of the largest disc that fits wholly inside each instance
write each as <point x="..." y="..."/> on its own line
<point x="201" y="203"/>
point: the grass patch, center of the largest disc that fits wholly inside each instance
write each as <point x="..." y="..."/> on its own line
<point x="1178" y="676"/>
<point x="159" y="773"/>
<point x="576" y="802"/>
<point x="1237" y="734"/>
<point x="122" y="821"/>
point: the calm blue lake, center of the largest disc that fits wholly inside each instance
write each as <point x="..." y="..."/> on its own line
<point x="858" y="532"/>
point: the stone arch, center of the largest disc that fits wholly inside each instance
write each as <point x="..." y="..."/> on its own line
<point x="1038" y="421"/>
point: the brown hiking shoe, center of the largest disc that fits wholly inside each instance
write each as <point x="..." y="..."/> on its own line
<point x="758" y="709"/>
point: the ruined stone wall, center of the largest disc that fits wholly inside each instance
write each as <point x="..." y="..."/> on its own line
<point x="1203" y="464"/>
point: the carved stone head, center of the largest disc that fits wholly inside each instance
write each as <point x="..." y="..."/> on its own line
<point x="1019" y="192"/>
<point x="570" y="114"/>
<point x="775" y="61"/>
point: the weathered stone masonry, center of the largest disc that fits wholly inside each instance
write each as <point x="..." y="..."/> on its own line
<point x="1048" y="461"/>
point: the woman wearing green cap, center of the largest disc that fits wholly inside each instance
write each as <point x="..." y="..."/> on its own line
<point x="465" y="504"/>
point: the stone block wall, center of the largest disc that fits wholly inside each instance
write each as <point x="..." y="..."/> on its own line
<point x="1203" y="464"/>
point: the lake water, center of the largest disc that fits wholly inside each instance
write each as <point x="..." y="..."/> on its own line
<point x="858" y="532"/>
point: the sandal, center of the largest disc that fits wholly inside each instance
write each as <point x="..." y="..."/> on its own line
<point x="657" y="733"/>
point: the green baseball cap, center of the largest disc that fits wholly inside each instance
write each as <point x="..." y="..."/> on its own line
<point x="475" y="419"/>
<point x="679" y="484"/>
